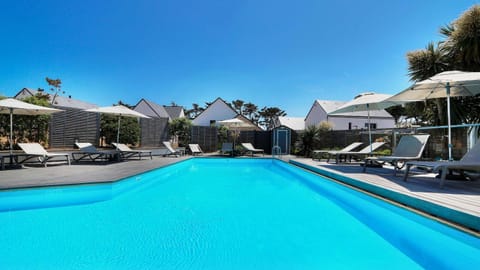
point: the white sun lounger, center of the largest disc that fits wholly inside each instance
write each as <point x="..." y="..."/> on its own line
<point x="87" y="150"/>
<point x="409" y="148"/>
<point x="330" y="153"/>
<point x="35" y="150"/>
<point x="128" y="152"/>
<point x="171" y="150"/>
<point x="469" y="162"/>
<point x="250" y="148"/>
<point x="195" y="149"/>
<point x="368" y="150"/>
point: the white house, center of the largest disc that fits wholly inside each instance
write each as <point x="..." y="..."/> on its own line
<point x="219" y="110"/>
<point x="379" y="119"/>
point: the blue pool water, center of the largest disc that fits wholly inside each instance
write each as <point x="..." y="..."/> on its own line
<point x="221" y="214"/>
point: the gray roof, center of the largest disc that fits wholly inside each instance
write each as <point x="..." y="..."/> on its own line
<point x="330" y="106"/>
<point x="60" y="101"/>
<point x="293" y="123"/>
<point x="151" y="109"/>
<point x="174" y="111"/>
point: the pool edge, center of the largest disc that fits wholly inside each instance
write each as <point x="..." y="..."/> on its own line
<point x="451" y="216"/>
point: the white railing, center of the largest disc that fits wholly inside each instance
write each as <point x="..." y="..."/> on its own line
<point x="276" y="152"/>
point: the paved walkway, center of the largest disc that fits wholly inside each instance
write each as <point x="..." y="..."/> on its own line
<point x="79" y="172"/>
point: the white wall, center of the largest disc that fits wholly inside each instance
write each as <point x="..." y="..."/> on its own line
<point x="341" y="123"/>
<point x="216" y="111"/>
<point x="315" y="116"/>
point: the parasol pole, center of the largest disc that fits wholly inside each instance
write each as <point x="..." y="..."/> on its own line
<point x="118" y="131"/>
<point x="11" y="133"/>
<point x="369" y="131"/>
<point x="447" y="87"/>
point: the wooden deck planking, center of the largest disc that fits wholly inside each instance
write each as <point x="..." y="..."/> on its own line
<point x="463" y="196"/>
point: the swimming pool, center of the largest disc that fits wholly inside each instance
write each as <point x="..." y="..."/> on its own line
<point x="221" y="214"/>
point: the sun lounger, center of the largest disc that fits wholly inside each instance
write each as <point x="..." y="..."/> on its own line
<point x="409" y="148"/>
<point x="330" y="153"/>
<point x="127" y="152"/>
<point x="171" y="150"/>
<point x="36" y="151"/>
<point x="469" y="162"/>
<point x="195" y="149"/>
<point x="363" y="153"/>
<point x="250" y="148"/>
<point x="87" y="150"/>
<point x="227" y="148"/>
<point x="2" y="159"/>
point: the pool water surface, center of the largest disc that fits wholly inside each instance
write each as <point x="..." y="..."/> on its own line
<point x="222" y="214"/>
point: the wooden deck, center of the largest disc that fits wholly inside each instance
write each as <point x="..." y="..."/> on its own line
<point x="462" y="196"/>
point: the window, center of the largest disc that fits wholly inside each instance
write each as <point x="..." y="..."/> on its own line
<point x="372" y="125"/>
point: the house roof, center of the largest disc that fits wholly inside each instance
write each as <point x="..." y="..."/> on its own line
<point x="174" y="111"/>
<point x="293" y="123"/>
<point x="329" y="106"/>
<point x="151" y="109"/>
<point x="235" y="114"/>
<point x="60" y="101"/>
<point x="209" y="106"/>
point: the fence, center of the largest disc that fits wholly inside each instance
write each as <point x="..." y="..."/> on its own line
<point x="153" y="131"/>
<point x="73" y="125"/>
<point x="206" y="137"/>
<point x="436" y="148"/>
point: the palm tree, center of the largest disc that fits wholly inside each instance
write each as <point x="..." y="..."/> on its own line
<point x="423" y="64"/>
<point x="269" y="114"/>
<point x="250" y="111"/>
<point x="463" y="40"/>
<point x="309" y="139"/>
<point x="238" y="105"/>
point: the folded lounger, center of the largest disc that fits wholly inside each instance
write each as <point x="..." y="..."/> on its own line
<point x="35" y="150"/>
<point x="87" y="150"/>
<point x="368" y="150"/>
<point x="469" y="162"/>
<point x="195" y="149"/>
<point x="128" y="152"/>
<point x="250" y="148"/>
<point x="410" y="147"/>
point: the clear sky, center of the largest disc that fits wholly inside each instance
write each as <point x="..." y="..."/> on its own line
<point x="269" y="52"/>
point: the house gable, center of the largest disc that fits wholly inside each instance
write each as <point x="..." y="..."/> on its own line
<point x="151" y="109"/>
<point x="174" y="111"/>
<point x="217" y="111"/>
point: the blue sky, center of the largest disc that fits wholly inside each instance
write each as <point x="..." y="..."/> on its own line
<point x="269" y="52"/>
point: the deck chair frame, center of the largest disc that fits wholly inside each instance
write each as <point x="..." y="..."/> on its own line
<point x="89" y="152"/>
<point x="469" y="162"/>
<point x="36" y="151"/>
<point x="252" y="150"/>
<point x="363" y="153"/>
<point x="195" y="149"/>
<point x="126" y="152"/>
<point x="409" y="148"/>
